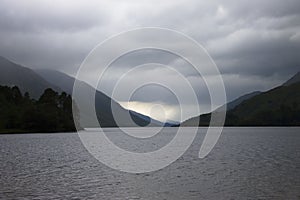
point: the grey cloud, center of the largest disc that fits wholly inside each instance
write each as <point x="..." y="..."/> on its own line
<point x="257" y="53"/>
<point x="38" y="16"/>
<point x="258" y="9"/>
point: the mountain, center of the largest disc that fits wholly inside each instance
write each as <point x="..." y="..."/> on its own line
<point x="205" y="118"/>
<point x="27" y="80"/>
<point x="294" y="79"/>
<point x="279" y="106"/>
<point x="231" y="105"/>
<point x="57" y="78"/>
<point x="102" y="102"/>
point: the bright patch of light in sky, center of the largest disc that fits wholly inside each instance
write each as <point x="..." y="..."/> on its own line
<point x="158" y="111"/>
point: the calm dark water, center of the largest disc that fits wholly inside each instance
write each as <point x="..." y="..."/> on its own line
<point x="246" y="163"/>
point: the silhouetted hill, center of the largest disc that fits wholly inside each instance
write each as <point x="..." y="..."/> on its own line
<point x="277" y="107"/>
<point x="205" y="118"/>
<point x="231" y="105"/>
<point x="27" y="80"/>
<point x="294" y="79"/>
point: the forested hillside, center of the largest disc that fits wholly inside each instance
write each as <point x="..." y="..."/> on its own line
<point x="52" y="112"/>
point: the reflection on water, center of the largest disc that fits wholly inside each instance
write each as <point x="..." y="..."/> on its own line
<point x="246" y="163"/>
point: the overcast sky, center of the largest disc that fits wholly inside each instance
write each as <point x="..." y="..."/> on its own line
<point x="255" y="44"/>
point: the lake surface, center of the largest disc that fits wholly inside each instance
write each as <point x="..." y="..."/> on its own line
<point x="246" y="163"/>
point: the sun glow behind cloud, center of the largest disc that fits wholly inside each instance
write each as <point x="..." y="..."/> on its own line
<point x="159" y="111"/>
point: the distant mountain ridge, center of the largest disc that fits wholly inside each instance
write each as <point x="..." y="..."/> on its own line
<point x="65" y="82"/>
<point x="231" y="105"/>
<point x="12" y="74"/>
<point x="294" y="79"/>
<point x="279" y="106"/>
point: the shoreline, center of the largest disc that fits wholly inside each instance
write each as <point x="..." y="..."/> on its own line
<point x="13" y="132"/>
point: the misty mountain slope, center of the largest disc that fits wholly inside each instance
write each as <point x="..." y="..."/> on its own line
<point x="294" y="79"/>
<point x="57" y="78"/>
<point x="231" y="105"/>
<point x="26" y="79"/>
<point x="279" y="106"/>
<point x="205" y="118"/>
<point x="102" y="102"/>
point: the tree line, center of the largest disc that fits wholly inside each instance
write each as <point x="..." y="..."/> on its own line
<point x="52" y="112"/>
